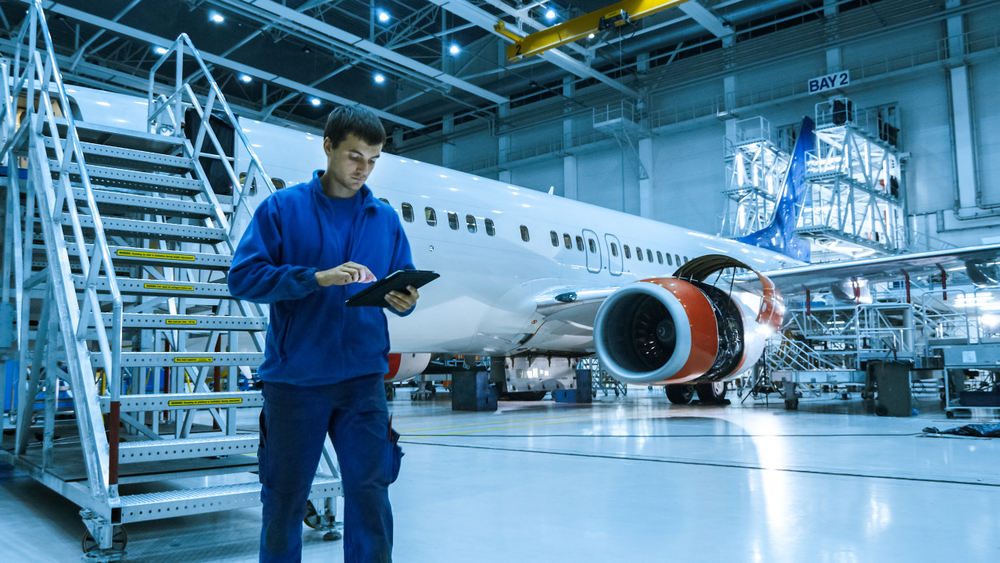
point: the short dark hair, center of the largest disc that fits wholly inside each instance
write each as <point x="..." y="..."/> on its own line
<point x="357" y="120"/>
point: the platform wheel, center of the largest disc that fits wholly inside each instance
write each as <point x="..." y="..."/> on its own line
<point x="119" y="539"/>
<point x="312" y="518"/>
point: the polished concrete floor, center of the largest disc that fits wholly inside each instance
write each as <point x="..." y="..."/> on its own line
<point x="623" y="479"/>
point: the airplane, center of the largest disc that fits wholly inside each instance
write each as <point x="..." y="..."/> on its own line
<point x="535" y="281"/>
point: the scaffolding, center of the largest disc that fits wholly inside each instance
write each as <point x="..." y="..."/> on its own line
<point x="755" y="168"/>
<point x="854" y="206"/>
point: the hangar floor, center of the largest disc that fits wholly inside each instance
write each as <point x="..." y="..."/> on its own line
<point x="630" y="479"/>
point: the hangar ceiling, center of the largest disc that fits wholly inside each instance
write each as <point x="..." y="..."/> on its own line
<point x="290" y="61"/>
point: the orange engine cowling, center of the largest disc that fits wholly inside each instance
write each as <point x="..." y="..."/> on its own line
<point x="673" y="330"/>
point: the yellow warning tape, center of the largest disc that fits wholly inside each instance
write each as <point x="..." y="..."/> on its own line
<point x="200" y="402"/>
<point x="160" y="255"/>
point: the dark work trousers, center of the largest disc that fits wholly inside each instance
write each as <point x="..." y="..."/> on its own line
<point x="293" y="426"/>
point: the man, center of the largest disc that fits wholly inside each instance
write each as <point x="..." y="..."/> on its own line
<point x="308" y="249"/>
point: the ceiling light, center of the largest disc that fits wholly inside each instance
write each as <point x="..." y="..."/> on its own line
<point x="550" y="14"/>
<point x="160" y="50"/>
<point x="246" y="78"/>
<point x="315" y="101"/>
<point x="216" y="17"/>
<point x="454" y="49"/>
<point x="591" y="36"/>
<point x="379" y="79"/>
<point x="383" y="16"/>
<point x="306" y="49"/>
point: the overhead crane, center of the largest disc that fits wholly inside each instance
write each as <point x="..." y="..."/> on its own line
<point x="613" y="16"/>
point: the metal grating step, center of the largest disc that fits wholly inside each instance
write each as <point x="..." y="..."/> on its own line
<point x="153" y="506"/>
<point x="178" y="401"/>
<point x="167" y="258"/>
<point x="189" y="322"/>
<point x="181" y="359"/>
<point x="132" y="159"/>
<point x="121" y="202"/>
<point x="121" y="138"/>
<point x="153" y="231"/>
<point x="186" y="448"/>
<point x="131" y="180"/>
<point x="160" y="288"/>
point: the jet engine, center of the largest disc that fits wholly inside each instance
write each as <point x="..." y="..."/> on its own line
<point x="406" y="366"/>
<point x="681" y="329"/>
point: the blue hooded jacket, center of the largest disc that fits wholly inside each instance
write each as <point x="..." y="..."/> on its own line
<point x="313" y="338"/>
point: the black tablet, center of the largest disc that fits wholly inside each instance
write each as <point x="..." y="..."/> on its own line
<point x="374" y="295"/>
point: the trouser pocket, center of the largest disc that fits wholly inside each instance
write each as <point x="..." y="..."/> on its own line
<point x="393" y="455"/>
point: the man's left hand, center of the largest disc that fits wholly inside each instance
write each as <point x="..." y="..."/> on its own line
<point x="402" y="301"/>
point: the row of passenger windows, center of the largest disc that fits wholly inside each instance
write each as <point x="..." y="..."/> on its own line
<point x="568" y="243"/>
<point x="472" y="224"/>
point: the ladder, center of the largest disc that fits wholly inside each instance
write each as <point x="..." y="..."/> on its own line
<point x="115" y="257"/>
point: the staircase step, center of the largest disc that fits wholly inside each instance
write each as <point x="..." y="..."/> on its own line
<point x="109" y="202"/>
<point x="189" y="322"/>
<point x="133" y="159"/>
<point x="121" y="138"/>
<point x="160" y="288"/>
<point x="131" y="180"/>
<point x="185" y="448"/>
<point x="167" y="258"/>
<point x="154" y="506"/>
<point x="180" y="359"/>
<point x="179" y="401"/>
<point x="156" y="231"/>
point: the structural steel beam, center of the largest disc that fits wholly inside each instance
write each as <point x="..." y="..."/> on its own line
<point x="471" y="13"/>
<point x="376" y="51"/>
<point x="707" y="19"/>
<point x="222" y="61"/>
<point x="582" y="26"/>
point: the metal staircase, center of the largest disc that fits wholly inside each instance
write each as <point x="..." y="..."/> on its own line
<point x="115" y="257"/>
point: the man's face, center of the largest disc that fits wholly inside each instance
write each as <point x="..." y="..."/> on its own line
<point x="349" y="164"/>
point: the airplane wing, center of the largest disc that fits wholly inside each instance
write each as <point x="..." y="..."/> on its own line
<point x="978" y="261"/>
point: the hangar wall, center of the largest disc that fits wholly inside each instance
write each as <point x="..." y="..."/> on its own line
<point x="687" y="163"/>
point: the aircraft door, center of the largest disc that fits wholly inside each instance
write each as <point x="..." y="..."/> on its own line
<point x="615" y="260"/>
<point x="593" y="250"/>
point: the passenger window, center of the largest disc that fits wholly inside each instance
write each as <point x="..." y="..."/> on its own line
<point x="614" y="249"/>
<point x="385" y="201"/>
<point x="659" y="257"/>
<point x="678" y="258"/>
<point x="649" y="254"/>
<point x="490" y="229"/>
<point x="579" y="243"/>
<point x="453" y="220"/>
<point x="470" y="222"/>
<point x="628" y="253"/>
<point x="592" y="245"/>
<point x="407" y="212"/>
<point x="670" y="261"/>
<point x="524" y="234"/>
<point x="555" y="238"/>
<point x="567" y="241"/>
<point x="432" y="218"/>
<point x="638" y="253"/>
<point x="686" y="260"/>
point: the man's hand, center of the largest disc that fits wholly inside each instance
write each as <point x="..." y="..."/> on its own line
<point x="402" y="301"/>
<point x="346" y="273"/>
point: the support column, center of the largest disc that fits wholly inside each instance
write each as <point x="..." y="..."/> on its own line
<point x="646" y="183"/>
<point x="961" y="113"/>
<point x="503" y="144"/>
<point x="570" y="186"/>
<point x="569" y="161"/>
<point x="448" y="146"/>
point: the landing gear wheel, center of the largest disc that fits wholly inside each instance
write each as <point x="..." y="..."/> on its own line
<point x="791" y="404"/>
<point x="119" y="539"/>
<point x="714" y="392"/>
<point x="680" y="394"/>
<point x="390" y="391"/>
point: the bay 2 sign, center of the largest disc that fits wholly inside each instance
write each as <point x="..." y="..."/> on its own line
<point x="830" y="81"/>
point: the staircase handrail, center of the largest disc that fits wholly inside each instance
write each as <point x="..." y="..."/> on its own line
<point x="172" y="106"/>
<point x="48" y="78"/>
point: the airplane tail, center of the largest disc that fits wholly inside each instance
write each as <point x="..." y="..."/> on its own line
<point x="779" y="235"/>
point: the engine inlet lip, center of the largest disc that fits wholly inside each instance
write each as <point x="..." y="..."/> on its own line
<point x="676" y="310"/>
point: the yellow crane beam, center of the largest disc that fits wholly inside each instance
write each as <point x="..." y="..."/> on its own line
<point x="577" y="28"/>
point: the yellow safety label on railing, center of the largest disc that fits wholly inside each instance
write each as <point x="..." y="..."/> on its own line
<point x="192" y="360"/>
<point x="167" y="286"/>
<point x="160" y="255"/>
<point x="181" y="322"/>
<point x="202" y="402"/>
